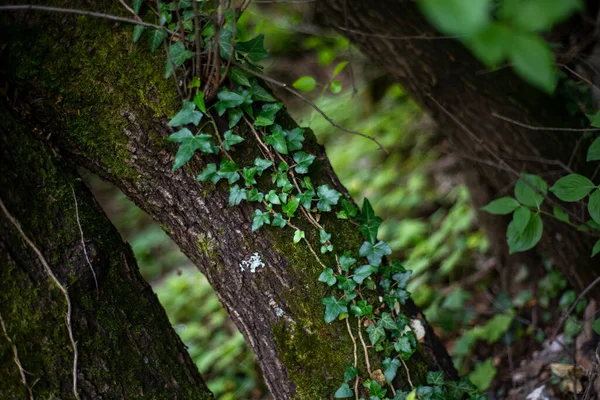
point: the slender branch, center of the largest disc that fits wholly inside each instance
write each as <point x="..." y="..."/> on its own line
<point x="542" y="128"/>
<point x="62" y="288"/>
<point x="86" y="13"/>
<point x="18" y="361"/>
<point x="309" y="102"/>
<point x="407" y="373"/>
<point x="365" y="349"/>
<point x="83" y="243"/>
<point x="391" y="37"/>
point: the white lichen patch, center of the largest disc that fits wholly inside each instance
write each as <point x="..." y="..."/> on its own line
<point x="252" y="264"/>
<point x="418" y="328"/>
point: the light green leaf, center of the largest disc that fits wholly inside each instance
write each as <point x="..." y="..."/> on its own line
<point x="526" y="195"/>
<point x="572" y="187"/>
<point x="278" y="220"/>
<point x="390" y="368"/>
<point x="526" y="240"/>
<point x="272" y="197"/>
<point x="303" y="161"/>
<point x="305" y="83"/>
<point x="230" y="139"/>
<point x="255" y="195"/>
<point x="248" y="175"/>
<point x="593" y="153"/>
<point x="483" y="374"/>
<point x="533" y="61"/>
<point x="328" y="277"/>
<point x="327" y="197"/>
<point x="199" y="101"/>
<point x="501" y="206"/>
<point x="335" y="86"/>
<point x="339" y="68"/>
<point x="491" y="45"/>
<point x="375" y="252"/>
<point x="306" y="198"/>
<point x="236" y="195"/>
<point x="333" y="308"/>
<point x="521" y="219"/>
<point x="259" y="219"/>
<point x="594" y="206"/>
<point x="298" y="235"/>
<point x="290" y="207"/>
<point x="343" y="392"/>
<point x="376" y="334"/>
<point x="457" y="17"/>
<point x="253" y="49"/>
<point x="541" y="15"/>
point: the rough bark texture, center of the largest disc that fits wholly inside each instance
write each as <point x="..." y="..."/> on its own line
<point x="105" y="104"/>
<point x="445" y="78"/>
<point x="126" y="346"/>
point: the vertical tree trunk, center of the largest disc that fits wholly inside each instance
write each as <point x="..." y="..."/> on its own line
<point x="55" y="243"/>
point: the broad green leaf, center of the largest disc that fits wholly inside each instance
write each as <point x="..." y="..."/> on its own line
<point x="195" y="83"/>
<point x="526" y="195"/>
<point x="495" y="328"/>
<point x="593" y="153"/>
<point x="294" y="138"/>
<point x="483" y="374"/>
<point x="189" y="144"/>
<point x="406" y="345"/>
<point x="199" y="101"/>
<point x="339" y="68"/>
<point x="492" y="44"/>
<point x="290" y="207"/>
<point x="346" y="284"/>
<point x="303" y="161"/>
<point x="306" y="198"/>
<point x="369" y="222"/>
<point x="526" y="240"/>
<point x="335" y="86"/>
<point x="230" y="139"/>
<point x="179" y="54"/>
<point x="155" y="38"/>
<point x="541" y="15"/>
<point x="228" y="99"/>
<point x="305" y="83"/>
<point x="278" y="142"/>
<point x="375" y="252"/>
<point x="137" y="32"/>
<point x="376" y="334"/>
<point x="521" y="219"/>
<point x="236" y="195"/>
<point x="595" y="120"/>
<point x="346" y="261"/>
<point x="248" y="175"/>
<point x="225" y="46"/>
<point x="278" y="220"/>
<point x="266" y="115"/>
<point x="343" y="392"/>
<point x="259" y="219"/>
<point x="239" y="77"/>
<point x="261" y="165"/>
<point x="272" y="197"/>
<point x="235" y="115"/>
<point x="255" y="195"/>
<point x="361" y="308"/>
<point x="333" y="308"/>
<point x="228" y="170"/>
<point x="596" y="325"/>
<point x="457" y="17"/>
<point x="350" y="373"/>
<point x="457" y="389"/>
<point x="501" y="206"/>
<point x="532" y="59"/>
<point x="210" y="172"/>
<point x="390" y="368"/>
<point x="596" y="248"/>
<point x="435" y="378"/>
<point x="560" y="214"/>
<point x="298" y="235"/>
<point x="402" y="278"/>
<point x="327" y="197"/>
<point x="387" y="322"/>
<point x="572" y="187"/>
<point x="363" y="272"/>
<point x="594" y="206"/>
<point x="136" y="5"/>
<point x="260" y="94"/>
<point x="253" y="49"/>
<point x="348" y="208"/>
<point x="328" y="277"/>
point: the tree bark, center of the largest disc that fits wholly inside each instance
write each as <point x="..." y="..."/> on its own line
<point x="462" y="97"/>
<point x="104" y="103"/>
<point x="125" y="346"/>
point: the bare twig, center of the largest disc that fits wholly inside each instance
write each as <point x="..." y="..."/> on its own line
<point x="62" y="288"/>
<point x="542" y="128"/>
<point x="17" y="360"/>
<point x="407" y="373"/>
<point x="309" y="102"/>
<point x="364" y="348"/>
<point x="570" y="311"/>
<point x="391" y="37"/>
<point x="83" y="242"/>
<point x="355" y="356"/>
<point x="131" y="10"/>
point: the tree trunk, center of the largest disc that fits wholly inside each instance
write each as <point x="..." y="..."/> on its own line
<point x="104" y="103"/>
<point x="462" y="98"/>
<point x="125" y="346"/>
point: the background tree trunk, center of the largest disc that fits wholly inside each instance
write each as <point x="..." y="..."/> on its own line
<point x="125" y="344"/>
<point x="462" y="96"/>
<point x="104" y="103"/>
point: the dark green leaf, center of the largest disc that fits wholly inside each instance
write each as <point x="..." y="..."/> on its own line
<point x="303" y="161"/>
<point x="501" y="206"/>
<point x="260" y="94"/>
<point x="346" y="284"/>
<point x="402" y="278"/>
<point x="435" y="378"/>
<point x="228" y="99"/>
<point x="266" y="115"/>
<point x="596" y="248"/>
<point x="255" y="195"/>
<point x="492" y="44"/>
<point x="236" y="195"/>
<point x="361" y="308"/>
<point x="137" y="32"/>
<point x="540" y="15"/>
<point x="457" y="389"/>
<point x="290" y="207"/>
<point x="230" y="139"/>
<point x="594" y="206"/>
<point x="376" y="334"/>
<point x="560" y="214"/>
<point x="346" y="261"/>
<point x="306" y="198"/>
<point x="210" y="172"/>
<point x="187" y="115"/>
<point x="333" y="308"/>
<point x="189" y="144"/>
<point x="526" y="195"/>
<point x="272" y="197"/>
<point x="278" y="220"/>
<point x="328" y="277"/>
<point x="521" y="219"/>
<point x="363" y="272"/>
<point x="375" y="252"/>
<point x="572" y="187"/>
<point x="528" y="239"/>
<point x="235" y="115"/>
<point x="253" y="49"/>
<point x="136" y="5"/>
<point x="199" y="101"/>
<point x="225" y="46"/>
<point x="155" y="38"/>
<point x="294" y="138"/>
<point x="179" y="54"/>
<point x="593" y="153"/>
<point x="277" y="140"/>
<point x="324" y="237"/>
<point x="406" y="345"/>
<point x="239" y="77"/>
<point x="228" y="170"/>
<point x="261" y="165"/>
<point x="259" y="219"/>
<point x="387" y="322"/>
<point x="248" y="175"/>
<point x="327" y="197"/>
<point x="369" y="222"/>
<point x="351" y="373"/>
<point x="390" y="368"/>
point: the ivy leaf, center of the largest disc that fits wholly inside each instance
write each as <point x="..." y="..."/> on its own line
<point x="435" y="378"/>
<point x="305" y="198"/>
<point x="343" y="392"/>
<point x="369" y="222"/>
<point x="187" y="115"/>
<point x="327" y="197"/>
<point x="210" y="172"/>
<point x="137" y="32"/>
<point x="457" y="389"/>
<point x="303" y="161"/>
<point x="305" y="83"/>
<point x="363" y="272"/>
<point x="255" y="195"/>
<point x="333" y="308"/>
<point x="390" y="368"/>
<point x="387" y="322"/>
<point x="298" y="236"/>
<point x="501" y="206"/>
<point x="227" y="100"/>
<point x="406" y="345"/>
<point x="376" y="334"/>
<point x="136" y="4"/>
<point x="361" y="308"/>
<point x="346" y="261"/>
<point x="326" y="248"/>
<point x="261" y="165"/>
<point x="253" y="49"/>
<point x="281" y="180"/>
<point x="189" y="144"/>
<point x="572" y="187"/>
<point x="235" y="115"/>
<point x="350" y="373"/>
<point x="155" y="38"/>
<point x="178" y="54"/>
<point x="277" y="140"/>
<point x="593" y="153"/>
<point x="231" y="139"/>
<point x="594" y="206"/>
<point x="402" y="278"/>
<point x="375" y="252"/>
<point x="290" y="207"/>
<point x="348" y="210"/>
<point x="259" y="219"/>
<point x="346" y="284"/>
<point x="248" y="175"/>
<point x="525" y="193"/>
<point x="294" y="138"/>
<point x="236" y="195"/>
<point x="328" y="277"/>
<point x="278" y="220"/>
<point x="225" y="46"/>
<point x="324" y="237"/>
<point x="239" y="77"/>
<point x="228" y="170"/>
<point x="528" y="238"/>
<point x="266" y="116"/>
<point x="260" y="94"/>
<point x="272" y="197"/>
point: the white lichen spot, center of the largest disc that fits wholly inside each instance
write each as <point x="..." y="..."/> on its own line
<point x="418" y="328"/>
<point x="279" y="312"/>
<point x="252" y="264"/>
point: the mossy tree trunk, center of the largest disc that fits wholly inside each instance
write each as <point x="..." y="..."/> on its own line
<point x="125" y="346"/>
<point x="103" y="104"/>
<point x="463" y="97"/>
